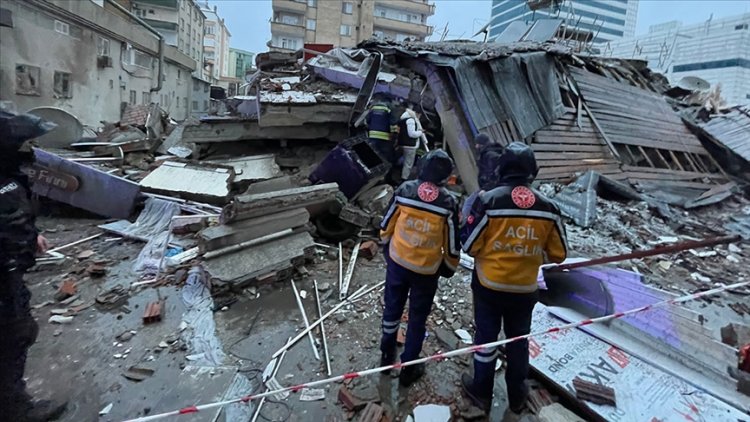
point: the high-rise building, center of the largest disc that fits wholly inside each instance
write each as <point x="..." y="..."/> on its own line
<point x="346" y="23"/>
<point x="606" y="19"/>
<point x="717" y="51"/>
<point x="179" y="21"/>
<point x="240" y="62"/>
<point x="215" y="45"/>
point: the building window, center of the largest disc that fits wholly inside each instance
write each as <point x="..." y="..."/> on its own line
<point x="346" y="30"/>
<point x="182" y="25"/>
<point x="62" y="27"/>
<point x="140" y="59"/>
<point x="205" y="87"/>
<point x="62" y="85"/>
<point x="184" y="103"/>
<point x="145" y="98"/>
<point x="312" y="3"/>
<point x="195" y="105"/>
<point x="289" y="43"/>
<point x="347" y="7"/>
<point x="179" y="74"/>
<point x="132" y="97"/>
<point x="741" y="27"/>
<point x="27" y="80"/>
<point x="311" y="24"/>
<point x="102" y="46"/>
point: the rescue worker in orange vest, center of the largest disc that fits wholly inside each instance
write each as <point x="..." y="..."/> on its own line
<point x="420" y="233"/>
<point x="510" y="231"/>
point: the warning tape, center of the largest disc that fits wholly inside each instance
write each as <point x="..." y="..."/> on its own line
<point x="439" y="356"/>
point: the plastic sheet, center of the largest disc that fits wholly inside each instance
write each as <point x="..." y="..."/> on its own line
<point x="200" y="334"/>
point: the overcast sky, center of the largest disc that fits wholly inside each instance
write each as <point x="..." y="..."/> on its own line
<point x="248" y="20"/>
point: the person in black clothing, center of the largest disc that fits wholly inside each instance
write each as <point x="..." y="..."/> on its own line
<point x="19" y="243"/>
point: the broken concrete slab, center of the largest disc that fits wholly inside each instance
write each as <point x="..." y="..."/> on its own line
<point x="253" y="168"/>
<point x="213" y="238"/>
<point x="199" y="182"/>
<point x="82" y="186"/>
<point x="247" y="264"/>
<point x="248" y="206"/>
<point x="355" y="215"/>
<point x="270" y="185"/>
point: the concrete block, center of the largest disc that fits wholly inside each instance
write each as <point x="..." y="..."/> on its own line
<point x="213" y="238"/>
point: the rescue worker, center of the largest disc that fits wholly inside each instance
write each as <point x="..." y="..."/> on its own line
<point x="487" y="153"/>
<point x="379" y="129"/>
<point x="510" y="231"/>
<point x="19" y="242"/>
<point x="420" y="234"/>
<point x="409" y="136"/>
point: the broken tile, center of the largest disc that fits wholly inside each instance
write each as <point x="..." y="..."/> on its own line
<point x="312" y="394"/>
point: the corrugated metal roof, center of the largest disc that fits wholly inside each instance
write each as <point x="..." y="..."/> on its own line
<point x="732" y="130"/>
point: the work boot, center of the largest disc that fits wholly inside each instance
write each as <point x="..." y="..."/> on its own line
<point x="518" y="408"/>
<point x="45" y="410"/>
<point x="467" y="383"/>
<point x="410" y="374"/>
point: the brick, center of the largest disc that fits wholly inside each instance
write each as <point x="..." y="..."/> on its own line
<point x="368" y="249"/>
<point x="349" y="400"/>
<point x="594" y="393"/>
<point x="153" y="313"/>
<point x="67" y="289"/>
<point x="372" y="413"/>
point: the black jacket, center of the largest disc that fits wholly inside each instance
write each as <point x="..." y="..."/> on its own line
<point x="17" y="230"/>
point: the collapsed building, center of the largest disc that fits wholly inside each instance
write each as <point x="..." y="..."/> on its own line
<point x="283" y="181"/>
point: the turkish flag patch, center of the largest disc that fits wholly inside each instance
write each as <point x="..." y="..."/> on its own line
<point x="428" y="191"/>
<point x="523" y="197"/>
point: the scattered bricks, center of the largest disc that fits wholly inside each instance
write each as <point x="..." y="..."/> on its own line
<point x="153" y="312"/>
<point x="538" y="399"/>
<point x="97" y="269"/>
<point x="368" y="249"/>
<point x="594" y="393"/>
<point x="350" y="402"/>
<point x="372" y="413"/>
<point x="67" y="289"/>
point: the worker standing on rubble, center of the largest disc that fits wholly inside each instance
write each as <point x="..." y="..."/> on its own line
<point x="510" y="231"/>
<point x="409" y="136"/>
<point x="19" y="242"/>
<point x="379" y="131"/>
<point x="420" y="234"/>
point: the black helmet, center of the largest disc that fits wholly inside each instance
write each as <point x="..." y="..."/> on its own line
<point x="517" y="164"/>
<point x="16" y="129"/>
<point x="482" y="140"/>
<point x="436" y="166"/>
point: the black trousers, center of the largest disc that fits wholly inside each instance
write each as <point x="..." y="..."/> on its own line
<point x="18" y="331"/>
<point x="420" y="289"/>
<point x="494" y="310"/>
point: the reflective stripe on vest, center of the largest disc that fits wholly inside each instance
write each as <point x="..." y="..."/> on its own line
<point x="377" y="134"/>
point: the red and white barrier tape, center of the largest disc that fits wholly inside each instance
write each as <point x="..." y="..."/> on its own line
<point x="438" y="356"/>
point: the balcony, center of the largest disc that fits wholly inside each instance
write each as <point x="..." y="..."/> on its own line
<point x="290" y="6"/>
<point x="283" y="28"/>
<point x="415" y="6"/>
<point x="403" y="27"/>
<point x="169" y="4"/>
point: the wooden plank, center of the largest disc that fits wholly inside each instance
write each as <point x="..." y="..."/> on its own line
<point x="676" y="160"/>
<point x="653" y="144"/>
<point x="673" y="183"/>
<point x="638" y="117"/>
<point x="664" y="130"/>
<point x="599" y="128"/>
<point x="568" y="155"/>
<point x="572" y="148"/>
<point x="683" y="174"/>
<point x="584" y="162"/>
<point x="645" y="155"/>
<point x="661" y="157"/>
<point x="577" y="168"/>
<point x="552" y="139"/>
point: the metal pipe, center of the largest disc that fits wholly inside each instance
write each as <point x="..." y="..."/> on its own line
<point x="659" y="250"/>
<point x="153" y="31"/>
<point x="322" y="330"/>
<point x="305" y="320"/>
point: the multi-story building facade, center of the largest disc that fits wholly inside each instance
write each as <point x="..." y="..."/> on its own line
<point x="179" y="21"/>
<point x="215" y="45"/>
<point x="240" y="62"/>
<point x="717" y="51"/>
<point x="606" y="19"/>
<point x="89" y="59"/>
<point x="345" y="23"/>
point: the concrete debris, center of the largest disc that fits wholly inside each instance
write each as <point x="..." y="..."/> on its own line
<point x="251" y="169"/>
<point x="355" y="215"/>
<point x="312" y="394"/>
<point x="464" y="336"/>
<point x="248" y="206"/>
<point x="556" y="412"/>
<point x="432" y="413"/>
<point x="372" y="413"/>
<point x="213" y="238"/>
<point x="60" y="319"/>
<point x="138" y="373"/>
<point x="349" y="401"/>
<point x="209" y="183"/>
<point x="106" y="409"/>
<point x="369" y="249"/>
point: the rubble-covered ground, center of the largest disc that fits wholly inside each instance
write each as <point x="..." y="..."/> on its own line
<point x="84" y="359"/>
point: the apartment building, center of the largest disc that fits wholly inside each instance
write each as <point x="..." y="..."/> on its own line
<point x="717" y="51"/>
<point x="606" y="19"/>
<point x="346" y="23"/>
<point x="240" y="62"/>
<point x="179" y="21"/>
<point x="215" y="45"/>
<point x="89" y="59"/>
